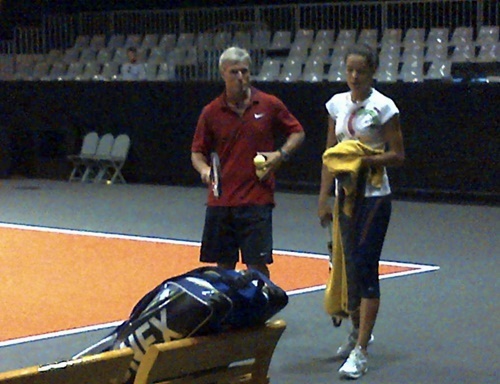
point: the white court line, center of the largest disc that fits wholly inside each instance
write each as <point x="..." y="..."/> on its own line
<point x="419" y="268"/>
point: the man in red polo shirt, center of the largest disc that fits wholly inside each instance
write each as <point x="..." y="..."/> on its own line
<point x="238" y="125"/>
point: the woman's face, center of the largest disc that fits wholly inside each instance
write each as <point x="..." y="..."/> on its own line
<point x="359" y="73"/>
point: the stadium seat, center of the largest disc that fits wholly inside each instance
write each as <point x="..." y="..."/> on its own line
<point x="282" y="40"/>
<point x="464" y="52"/>
<point x="436" y="52"/>
<point x="204" y="41"/>
<point x="97" y="42"/>
<point x="412" y="71"/>
<point x="489" y="53"/>
<point x="116" y="41"/>
<point x="151" y="70"/>
<point x="261" y="39"/>
<point x="71" y="55"/>
<point x="105" y="55"/>
<point x="439" y="70"/>
<point x="368" y="36"/>
<point x="338" y="53"/>
<point x="412" y="52"/>
<point x="388" y="69"/>
<point x="82" y="41"/>
<point x="87" y="54"/>
<point x="57" y="71"/>
<point x="150" y="41"/>
<point x="390" y="53"/>
<point x="24" y="68"/>
<point x="91" y="70"/>
<point x="292" y="71"/>
<point x="222" y="40"/>
<point x="488" y="34"/>
<point x="157" y="55"/>
<point x="304" y="37"/>
<point x="298" y="52"/>
<point x="142" y="54"/>
<point x="110" y="70"/>
<point x="414" y="36"/>
<point x="461" y="36"/>
<point x="74" y="70"/>
<point x="438" y="35"/>
<point x="55" y="55"/>
<point x="345" y="37"/>
<point x="166" y="72"/>
<point x="320" y="51"/>
<point x="120" y="55"/>
<point x="242" y="39"/>
<point x="391" y="36"/>
<point x="270" y="70"/>
<point x="185" y="40"/>
<point x="133" y="40"/>
<point x="336" y="72"/>
<point x="40" y="70"/>
<point x="167" y="42"/>
<point x="314" y="70"/>
<point x="326" y="37"/>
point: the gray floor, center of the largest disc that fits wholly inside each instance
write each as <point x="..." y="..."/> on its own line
<point x="436" y="327"/>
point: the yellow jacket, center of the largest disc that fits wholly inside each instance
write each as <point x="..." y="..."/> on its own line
<point x="344" y="158"/>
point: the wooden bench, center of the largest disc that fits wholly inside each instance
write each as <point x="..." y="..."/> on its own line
<point x="104" y="368"/>
<point x="241" y="356"/>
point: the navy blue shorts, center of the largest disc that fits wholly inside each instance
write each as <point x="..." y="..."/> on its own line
<point x="370" y="230"/>
<point x="229" y="230"/>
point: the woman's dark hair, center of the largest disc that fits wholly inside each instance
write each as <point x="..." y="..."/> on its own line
<point x="366" y="51"/>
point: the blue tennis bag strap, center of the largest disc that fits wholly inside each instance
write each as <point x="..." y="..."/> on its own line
<point x="255" y="298"/>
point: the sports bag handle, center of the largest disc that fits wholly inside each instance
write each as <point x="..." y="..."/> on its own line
<point x="232" y="278"/>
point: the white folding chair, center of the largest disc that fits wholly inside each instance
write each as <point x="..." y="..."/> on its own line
<point x="88" y="149"/>
<point x="110" y="166"/>
<point x="91" y="163"/>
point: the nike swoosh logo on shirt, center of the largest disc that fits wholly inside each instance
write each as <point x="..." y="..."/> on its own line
<point x="258" y="115"/>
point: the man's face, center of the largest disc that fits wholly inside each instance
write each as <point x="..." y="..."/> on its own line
<point x="132" y="56"/>
<point x="236" y="76"/>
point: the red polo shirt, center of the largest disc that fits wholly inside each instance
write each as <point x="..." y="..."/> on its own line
<point x="237" y="140"/>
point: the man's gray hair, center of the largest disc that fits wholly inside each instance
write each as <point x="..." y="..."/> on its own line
<point x="234" y="54"/>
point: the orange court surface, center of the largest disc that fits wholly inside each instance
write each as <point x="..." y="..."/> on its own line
<point x="57" y="281"/>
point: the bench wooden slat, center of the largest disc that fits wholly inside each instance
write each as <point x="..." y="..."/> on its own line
<point x="204" y="360"/>
<point x="104" y="368"/>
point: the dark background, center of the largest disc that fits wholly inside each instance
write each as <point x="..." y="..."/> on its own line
<point x="450" y="131"/>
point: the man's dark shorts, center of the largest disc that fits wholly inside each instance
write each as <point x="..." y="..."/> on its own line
<point x="231" y="229"/>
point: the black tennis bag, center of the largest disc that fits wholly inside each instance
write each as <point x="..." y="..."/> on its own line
<point x="206" y="300"/>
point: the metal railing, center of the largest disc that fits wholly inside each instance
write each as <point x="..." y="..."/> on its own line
<point x="60" y="31"/>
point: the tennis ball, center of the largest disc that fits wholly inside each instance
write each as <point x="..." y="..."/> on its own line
<point x="259" y="161"/>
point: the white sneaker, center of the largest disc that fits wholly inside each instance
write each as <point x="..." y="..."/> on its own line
<point x="345" y="349"/>
<point x="355" y="366"/>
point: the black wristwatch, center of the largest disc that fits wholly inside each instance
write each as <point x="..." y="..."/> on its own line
<point x="285" y="156"/>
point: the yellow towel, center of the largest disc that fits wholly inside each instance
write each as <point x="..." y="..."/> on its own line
<point x="344" y="158"/>
<point x="336" y="298"/>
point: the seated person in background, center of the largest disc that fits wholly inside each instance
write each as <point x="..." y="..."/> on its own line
<point x="133" y="70"/>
